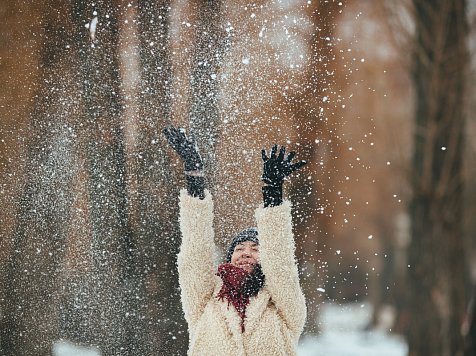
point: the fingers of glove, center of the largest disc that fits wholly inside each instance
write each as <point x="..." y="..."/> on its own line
<point x="193" y="141"/>
<point x="264" y="156"/>
<point x="181" y="134"/>
<point x="296" y="166"/>
<point x="171" y="137"/>
<point x="173" y="131"/>
<point x="266" y="180"/>
<point x="282" y="151"/>
<point x="177" y="139"/>
<point x="274" y="150"/>
<point x="166" y="133"/>
<point x="290" y="157"/>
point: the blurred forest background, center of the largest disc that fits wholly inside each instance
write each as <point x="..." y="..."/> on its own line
<point x="377" y="95"/>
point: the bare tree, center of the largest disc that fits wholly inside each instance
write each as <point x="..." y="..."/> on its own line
<point x="310" y="225"/>
<point x="436" y="252"/>
<point x="209" y="47"/>
<point x="97" y="39"/>
<point x="30" y="308"/>
<point x="156" y="232"/>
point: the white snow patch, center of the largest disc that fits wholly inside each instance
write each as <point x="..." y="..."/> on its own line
<point x="66" y="348"/>
<point x="92" y="28"/>
<point x="345" y="332"/>
<point x="337" y="343"/>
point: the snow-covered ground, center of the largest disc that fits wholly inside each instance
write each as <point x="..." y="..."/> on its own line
<point x="345" y="343"/>
<point x="344" y="332"/>
<point x="66" y="348"/>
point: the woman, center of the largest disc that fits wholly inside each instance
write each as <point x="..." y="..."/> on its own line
<point x="253" y="304"/>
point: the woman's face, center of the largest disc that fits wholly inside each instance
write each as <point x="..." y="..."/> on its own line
<point x="245" y="255"/>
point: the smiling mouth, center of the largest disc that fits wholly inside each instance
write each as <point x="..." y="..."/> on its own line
<point x="245" y="264"/>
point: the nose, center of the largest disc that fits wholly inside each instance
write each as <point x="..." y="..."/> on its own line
<point x="246" y="253"/>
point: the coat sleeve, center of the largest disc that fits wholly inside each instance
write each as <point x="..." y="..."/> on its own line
<point x="196" y="259"/>
<point x="279" y="266"/>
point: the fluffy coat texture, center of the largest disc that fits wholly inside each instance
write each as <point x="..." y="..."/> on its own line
<point x="274" y="317"/>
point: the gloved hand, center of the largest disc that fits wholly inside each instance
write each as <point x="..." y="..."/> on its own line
<point x="188" y="152"/>
<point x="186" y="149"/>
<point x="275" y="169"/>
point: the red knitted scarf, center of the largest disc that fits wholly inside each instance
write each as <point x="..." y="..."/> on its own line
<point x="233" y="279"/>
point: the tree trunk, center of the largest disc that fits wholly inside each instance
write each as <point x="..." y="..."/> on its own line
<point x="209" y="48"/>
<point x="156" y="233"/>
<point x="110" y="305"/>
<point x="311" y="226"/>
<point x="436" y="251"/>
<point x="30" y="308"/>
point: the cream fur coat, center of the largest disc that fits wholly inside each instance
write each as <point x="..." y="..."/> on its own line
<point x="274" y="318"/>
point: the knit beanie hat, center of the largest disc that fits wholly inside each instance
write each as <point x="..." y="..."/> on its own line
<point x="246" y="235"/>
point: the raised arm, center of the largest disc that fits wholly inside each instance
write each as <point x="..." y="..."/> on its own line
<point x="277" y="243"/>
<point x="197" y="252"/>
<point x="188" y="152"/>
<point x="196" y="259"/>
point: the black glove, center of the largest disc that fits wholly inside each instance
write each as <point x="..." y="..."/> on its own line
<point x="186" y="149"/>
<point x="275" y="169"/>
<point x="188" y="152"/>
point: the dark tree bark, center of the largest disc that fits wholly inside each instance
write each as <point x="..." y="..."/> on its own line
<point x="156" y="232"/>
<point x="311" y="226"/>
<point x="436" y="253"/>
<point x="110" y="306"/>
<point x="210" y="44"/>
<point x="30" y="307"/>
<point x="470" y="347"/>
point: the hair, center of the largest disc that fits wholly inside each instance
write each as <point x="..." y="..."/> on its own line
<point x="254" y="282"/>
